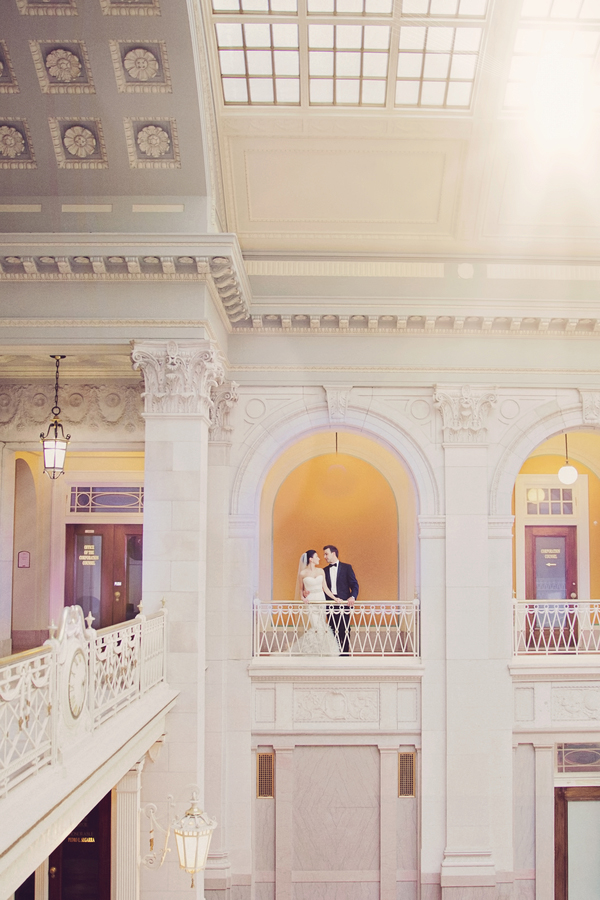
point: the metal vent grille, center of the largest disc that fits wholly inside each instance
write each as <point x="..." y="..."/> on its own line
<point x="406" y="774"/>
<point x="265" y="775"/>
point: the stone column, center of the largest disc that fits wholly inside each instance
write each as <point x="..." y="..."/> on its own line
<point x="126" y="868"/>
<point x="432" y="531"/>
<point x="468" y="869"/>
<point x="178" y="378"/>
<point x="284" y="795"/>
<point x="7" y="512"/>
<point x="388" y="823"/>
<point x="544" y="822"/>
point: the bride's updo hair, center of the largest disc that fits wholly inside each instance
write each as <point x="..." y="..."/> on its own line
<point x="309" y="555"/>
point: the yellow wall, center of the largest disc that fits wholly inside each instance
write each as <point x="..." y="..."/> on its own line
<point x="342" y="500"/>
<point x="549" y="463"/>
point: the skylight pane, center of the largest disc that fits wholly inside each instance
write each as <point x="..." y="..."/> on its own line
<point x="285" y="35"/>
<point x="288" y="90"/>
<point x="226" y="5"/>
<point x="255" y="5"/>
<point x="536" y="9"/>
<point x="351" y="54"/>
<point x="347" y="64"/>
<point x="259" y="62"/>
<point x="348" y="37"/>
<point x="320" y="36"/>
<point x="443" y="7"/>
<point x="378" y="7"/>
<point x="257" y="35"/>
<point x="320" y="62"/>
<point x="377" y="37"/>
<point x="472" y="7"/>
<point x="284" y="6"/>
<point x="287" y="62"/>
<point x="407" y="93"/>
<point x="375" y="65"/>
<point x="229" y="34"/>
<point x="415" y="7"/>
<point x="373" y="93"/>
<point x="321" y="90"/>
<point x="590" y="10"/>
<point x="450" y="56"/>
<point x="565" y="9"/>
<point x="235" y="90"/>
<point x="410" y="65"/>
<point x="349" y="7"/>
<point x="261" y="90"/>
<point x="347" y="92"/>
<point x="320" y="6"/>
<point x="233" y="62"/>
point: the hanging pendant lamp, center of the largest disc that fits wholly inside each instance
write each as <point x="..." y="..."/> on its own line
<point x="567" y="474"/>
<point x="54" y="442"/>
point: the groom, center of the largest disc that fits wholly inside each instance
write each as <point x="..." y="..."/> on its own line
<point x="342" y="582"/>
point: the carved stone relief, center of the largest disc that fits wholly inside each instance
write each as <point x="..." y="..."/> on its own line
<point x="342" y="705"/>
<point x="590" y="401"/>
<point x="130" y="7"/>
<point x="577" y="703"/>
<point x="464" y="412"/>
<point x="16" y="149"/>
<point x="338" y="397"/>
<point x="78" y="143"/>
<point x="62" y="67"/>
<point x="141" y="67"/>
<point x="178" y="376"/>
<point x="108" y="406"/>
<point x="8" y="81"/>
<point x="224" y="398"/>
<point x="228" y="288"/>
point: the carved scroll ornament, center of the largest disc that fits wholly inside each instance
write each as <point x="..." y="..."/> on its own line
<point x="464" y="413"/>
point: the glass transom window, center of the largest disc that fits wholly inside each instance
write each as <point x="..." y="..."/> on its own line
<point x="578" y="758"/>
<point x="549" y="501"/>
<point x="113" y="499"/>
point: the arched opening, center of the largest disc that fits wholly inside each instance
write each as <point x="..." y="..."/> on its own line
<point x="556" y="547"/>
<point x="360" y="499"/>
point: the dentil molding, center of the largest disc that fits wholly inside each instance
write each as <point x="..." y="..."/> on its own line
<point x="179" y="376"/>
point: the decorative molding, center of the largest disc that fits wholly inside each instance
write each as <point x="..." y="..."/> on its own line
<point x="152" y="143"/>
<point x="338" y="397"/>
<point x="500" y="527"/>
<point x="16" y="149"/>
<point x="110" y="406"/>
<point x="464" y="412"/>
<point x="344" y="268"/>
<point x="534" y="272"/>
<point x="178" y="376"/>
<point x="576" y="703"/>
<point x="62" y="67"/>
<point x="141" y="67"/>
<point x="228" y="288"/>
<point x="224" y="398"/>
<point x="130" y="7"/>
<point x="8" y="80"/>
<point x="342" y="705"/>
<point x="78" y="143"/>
<point x="590" y="401"/>
<point x="432" y="527"/>
<point x="47" y="7"/>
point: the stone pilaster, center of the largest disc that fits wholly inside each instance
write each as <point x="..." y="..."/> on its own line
<point x="179" y="378"/>
<point x="126" y="876"/>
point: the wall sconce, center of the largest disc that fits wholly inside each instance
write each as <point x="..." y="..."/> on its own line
<point x="53" y="443"/>
<point x="193" y="833"/>
<point x="567" y="474"/>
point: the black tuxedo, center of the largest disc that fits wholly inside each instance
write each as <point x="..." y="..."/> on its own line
<point x="339" y="616"/>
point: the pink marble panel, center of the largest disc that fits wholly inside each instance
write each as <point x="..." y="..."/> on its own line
<point x="336" y="813"/>
<point x="336" y="891"/>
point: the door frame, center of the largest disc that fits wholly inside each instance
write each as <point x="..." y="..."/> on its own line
<point x="569" y="532"/>
<point x="562" y="795"/>
<point x="580" y="519"/>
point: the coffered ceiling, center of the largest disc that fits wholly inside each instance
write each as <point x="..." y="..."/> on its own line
<point x="402" y="165"/>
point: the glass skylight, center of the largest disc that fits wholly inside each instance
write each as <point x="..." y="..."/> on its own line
<point x="539" y="51"/>
<point x="561" y="9"/>
<point x="436" y="66"/>
<point x="444" y="7"/>
<point x="348" y="64"/>
<point x="276" y="7"/>
<point x="259" y="62"/>
<point x="350" y="7"/>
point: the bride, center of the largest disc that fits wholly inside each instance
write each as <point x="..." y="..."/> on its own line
<point x="318" y="639"/>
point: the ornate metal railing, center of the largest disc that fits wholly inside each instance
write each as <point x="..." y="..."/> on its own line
<point x="550" y="627"/>
<point x="80" y="677"/>
<point x="369" y="629"/>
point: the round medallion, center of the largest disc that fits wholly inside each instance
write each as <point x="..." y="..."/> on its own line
<point x="77" y="683"/>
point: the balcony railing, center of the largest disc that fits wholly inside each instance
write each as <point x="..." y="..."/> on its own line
<point x="297" y="629"/>
<point x="119" y="665"/>
<point x="553" y="627"/>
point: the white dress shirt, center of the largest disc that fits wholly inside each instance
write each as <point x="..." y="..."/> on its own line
<point x="333" y="578"/>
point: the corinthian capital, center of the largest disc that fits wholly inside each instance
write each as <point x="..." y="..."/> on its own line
<point x="178" y="375"/>
<point x="464" y="412"/>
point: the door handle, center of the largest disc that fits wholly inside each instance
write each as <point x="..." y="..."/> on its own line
<point x="52" y="871"/>
<point x="117" y="596"/>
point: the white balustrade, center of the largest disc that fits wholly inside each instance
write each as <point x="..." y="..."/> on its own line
<point x="122" y="663"/>
<point x="376" y="628"/>
<point x="550" y="627"/>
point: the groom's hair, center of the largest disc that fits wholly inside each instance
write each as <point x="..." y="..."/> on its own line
<point x="332" y="549"/>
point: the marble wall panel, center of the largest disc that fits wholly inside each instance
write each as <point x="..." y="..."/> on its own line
<point x="407" y="858"/>
<point x="335" y="891"/>
<point x="406" y="890"/>
<point x="264" y="835"/>
<point x="524" y="808"/>
<point x="336" y="811"/>
<point x="264" y="891"/>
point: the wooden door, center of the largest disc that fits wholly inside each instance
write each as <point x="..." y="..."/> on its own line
<point x="551" y="575"/>
<point x="79" y="868"/>
<point x="576" y="857"/>
<point x="103" y="571"/>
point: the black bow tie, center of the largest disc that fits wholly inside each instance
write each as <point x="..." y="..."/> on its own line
<point x="332" y="565"/>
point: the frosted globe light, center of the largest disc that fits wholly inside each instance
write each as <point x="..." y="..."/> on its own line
<point x="568" y="474"/>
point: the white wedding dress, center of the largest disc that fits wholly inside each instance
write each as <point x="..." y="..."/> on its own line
<point x="318" y="639"/>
